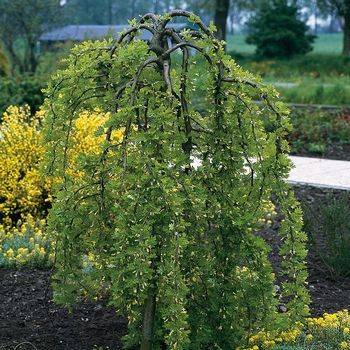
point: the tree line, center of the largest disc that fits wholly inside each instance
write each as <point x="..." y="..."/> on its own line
<point x="23" y="21"/>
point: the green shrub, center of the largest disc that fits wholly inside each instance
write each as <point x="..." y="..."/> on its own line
<point x="315" y="131"/>
<point x="277" y="31"/>
<point x="329" y="229"/>
<point x="173" y="242"/>
<point x="24" y="90"/>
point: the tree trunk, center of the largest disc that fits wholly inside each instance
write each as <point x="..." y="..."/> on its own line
<point x="220" y="18"/>
<point x="15" y="61"/>
<point x="346" y="40"/>
<point x="148" y="321"/>
<point x="32" y="61"/>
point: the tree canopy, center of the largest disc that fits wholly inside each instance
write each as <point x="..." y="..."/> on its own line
<point x="277" y="31"/>
<point x="21" y="24"/>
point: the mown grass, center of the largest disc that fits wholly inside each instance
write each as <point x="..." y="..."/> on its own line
<point x="309" y="93"/>
<point x="315" y="68"/>
<point x="330" y="44"/>
<point x="320" y="77"/>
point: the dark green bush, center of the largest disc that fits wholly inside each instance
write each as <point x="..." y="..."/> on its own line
<point x="277" y="31"/>
<point x="25" y="90"/>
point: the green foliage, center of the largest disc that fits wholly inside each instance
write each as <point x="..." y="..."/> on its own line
<point x="21" y="24"/>
<point x="316" y="131"/>
<point x="51" y="60"/>
<point x="277" y="31"/>
<point x="24" y="91"/>
<point x="173" y="242"/>
<point x="329" y="228"/>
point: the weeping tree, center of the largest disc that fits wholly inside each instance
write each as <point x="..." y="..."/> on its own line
<point x="163" y="217"/>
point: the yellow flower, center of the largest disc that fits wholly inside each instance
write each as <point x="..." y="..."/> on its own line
<point x="21" y="150"/>
<point x="344" y="345"/>
<point x="42" y="251"/>
<point x="309" y="337"/>
<point x="22" y="251"/>
<point x="23" y="188"/>
<point x="269" y="344"/>
<point x="10" y="253"/>
<point x="346" y="330"/>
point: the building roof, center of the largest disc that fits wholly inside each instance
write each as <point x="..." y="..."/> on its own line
<point x="86" y="32"/>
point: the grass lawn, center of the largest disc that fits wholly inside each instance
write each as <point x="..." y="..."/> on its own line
<point x="329" y="44"/>
<point x="324" y="44"/>
<point x="321" y="77"/>
<point x="237" y="44"/>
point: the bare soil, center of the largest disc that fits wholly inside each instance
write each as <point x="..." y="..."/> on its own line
<point x="30" y="320"/>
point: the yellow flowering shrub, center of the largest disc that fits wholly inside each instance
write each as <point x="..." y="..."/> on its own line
<point x="328" y="332"/>
<point x="24" y="192"/>
<point x="27" y="243"/>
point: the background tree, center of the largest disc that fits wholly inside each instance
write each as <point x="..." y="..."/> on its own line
<point x="220" y="17"/>
<point x="236" y="12"/>
<point x="277" y="31"/>
<point x="342" y="8"/>
<point x="174" y="244"/>
<point x="21" y="24"/>
<point x="91" y="11"/>
<point x="4" y="63"/>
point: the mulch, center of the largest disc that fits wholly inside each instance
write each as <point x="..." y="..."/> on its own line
<point x="30" y="320"/>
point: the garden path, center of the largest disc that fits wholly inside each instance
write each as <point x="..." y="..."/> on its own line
<point x="324" y="173"/>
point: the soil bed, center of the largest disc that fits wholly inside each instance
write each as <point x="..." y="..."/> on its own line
<point x="30" y="318"/>
<point x="327" y="295"/>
